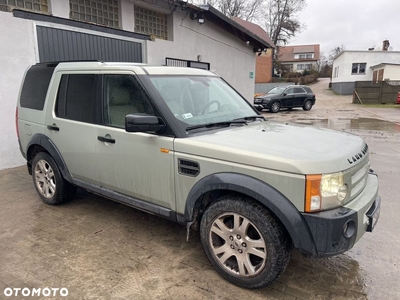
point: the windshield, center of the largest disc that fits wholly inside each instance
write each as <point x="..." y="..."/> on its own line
<point x="198" y="100"/>
<point x="277" y="90"/>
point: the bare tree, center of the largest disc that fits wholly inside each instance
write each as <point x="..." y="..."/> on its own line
<point x="249" y="10"/>
<point x="281" y="19"/>
<point x="334" y="52"/>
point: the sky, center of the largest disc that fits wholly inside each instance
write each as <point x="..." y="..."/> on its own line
<point x="355" y="24"/>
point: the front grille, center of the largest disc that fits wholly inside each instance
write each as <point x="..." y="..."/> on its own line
<point x="187" y="167"/>
<point x="359" y="175"/>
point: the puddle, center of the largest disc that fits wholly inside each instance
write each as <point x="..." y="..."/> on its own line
<point x="361" y="123"/>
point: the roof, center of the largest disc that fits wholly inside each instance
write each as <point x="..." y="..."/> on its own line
<point x="286" y="53"/>
<point x="256" y="29"/>
<point x="384" y="64"/>
<point x="365" y="51"/>
<point x="214" y="15"/>
<point x="138" y="68"/>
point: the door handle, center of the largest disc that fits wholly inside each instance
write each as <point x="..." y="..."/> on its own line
<point x="53" y="127"/>
<point x="105" y="140"/>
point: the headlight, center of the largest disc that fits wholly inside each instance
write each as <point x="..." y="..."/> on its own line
<point x="325" y="191"/>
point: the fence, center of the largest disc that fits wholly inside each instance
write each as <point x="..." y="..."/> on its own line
<point x="382" y="92"/>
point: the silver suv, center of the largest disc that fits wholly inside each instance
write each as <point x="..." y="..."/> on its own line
<point x="182" y="144"/>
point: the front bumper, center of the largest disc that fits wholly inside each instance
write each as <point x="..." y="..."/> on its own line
<point x="336" y="231"/>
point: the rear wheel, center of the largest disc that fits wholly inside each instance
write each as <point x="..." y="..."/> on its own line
<point x="307" y="105"/>
<point x="275" y="107"/>
<point x="48" y="181"/>
<point x="244" y="242"/>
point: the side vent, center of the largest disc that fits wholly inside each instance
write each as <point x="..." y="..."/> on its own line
<point x="189" y="168"/>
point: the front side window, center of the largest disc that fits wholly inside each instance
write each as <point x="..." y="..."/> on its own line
<point x="77" y="98"/>
<point x="103" y="12"/>
<point x="199" y="100"/>
<point x="358" y="68"/>
<point x="290" y="91"/>
<point x="123" y="96"/>
<point x="151" y="22"/>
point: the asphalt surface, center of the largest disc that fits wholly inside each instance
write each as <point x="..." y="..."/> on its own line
<point x="99" y="249"/>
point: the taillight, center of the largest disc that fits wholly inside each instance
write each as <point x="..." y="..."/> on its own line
<point x="16" y="121"/>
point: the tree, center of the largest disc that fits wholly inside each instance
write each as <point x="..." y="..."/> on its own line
<point x="281" y="19"/>
<point x="334" y="52"/>
<point x="249" y="10"/>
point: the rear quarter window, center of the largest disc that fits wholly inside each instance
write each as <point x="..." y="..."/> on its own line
<point x="34" y="88"/>
<point x="307" y="89"/>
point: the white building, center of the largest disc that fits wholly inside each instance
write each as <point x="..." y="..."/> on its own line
<point x="351" y="66"/>
<point x="154" y="32"/>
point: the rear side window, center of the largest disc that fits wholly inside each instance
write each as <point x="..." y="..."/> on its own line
<point x="77" y="98"/>
<point x="35" y="86"/>
<point x="307" y="89"/>
<point x="299" y="90"/>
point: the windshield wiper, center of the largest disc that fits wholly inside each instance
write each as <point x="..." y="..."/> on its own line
<point x="255" y="117"/>
<point x="217" y="124"/>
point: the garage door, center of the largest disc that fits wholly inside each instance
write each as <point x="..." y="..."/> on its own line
<point x="61" y="45"/>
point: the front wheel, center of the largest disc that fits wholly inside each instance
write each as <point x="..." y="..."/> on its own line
<point x="48" y="181"/>
<point x="244" y="242"/>
<point x="275" y="107"/>
<point x="307" y="105"/>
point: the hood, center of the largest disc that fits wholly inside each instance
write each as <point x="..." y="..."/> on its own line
<point x="279" y="146"/>
<point x="272" y="96"/>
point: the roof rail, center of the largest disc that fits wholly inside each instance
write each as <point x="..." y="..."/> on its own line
<point x="55" y="63"/>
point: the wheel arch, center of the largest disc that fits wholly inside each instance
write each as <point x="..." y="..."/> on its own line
<point x="41" y="142"/>
<point x="212" y="187"/>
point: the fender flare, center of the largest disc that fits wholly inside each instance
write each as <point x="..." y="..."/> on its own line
<point x="43" y="141"/>
<point x="277" y="203"/>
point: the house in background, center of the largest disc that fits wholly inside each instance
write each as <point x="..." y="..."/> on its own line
<point x="155" y="32"/>
<point x="371" y="65"/>
<point x="298" y="58"/>
<point x="264" y="59"/>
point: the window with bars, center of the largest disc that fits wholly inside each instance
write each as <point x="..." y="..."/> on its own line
<point x="151" y="22"/>
<point x="102" y="12"/>
<point x="33" y="5"/>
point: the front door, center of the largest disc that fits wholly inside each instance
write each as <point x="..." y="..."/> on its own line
<point x="139" y="165"/>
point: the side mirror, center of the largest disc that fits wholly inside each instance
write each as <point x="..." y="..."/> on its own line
<point x="143" y="123"/>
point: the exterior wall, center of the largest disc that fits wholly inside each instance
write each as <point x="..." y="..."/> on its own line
<point x="228" y="56"/>
<point x="345" y="60"/>
<point x="264" y="67"/>
<point x="262" y="88"/>
<point x="343" y="88"/>
<point x="391" y="72"/>
<point x="18" y="51"/>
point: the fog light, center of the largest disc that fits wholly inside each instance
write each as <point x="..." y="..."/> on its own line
<point x="349" y="229"/>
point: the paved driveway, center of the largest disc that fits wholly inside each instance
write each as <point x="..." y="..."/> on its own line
<point x="99" y="249"/>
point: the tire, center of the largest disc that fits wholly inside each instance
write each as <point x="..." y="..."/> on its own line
<point x="307" y="105"/>
<point x="48" y="181"/>
<point x="275" y="107"/>
<point x="251" y="257"/>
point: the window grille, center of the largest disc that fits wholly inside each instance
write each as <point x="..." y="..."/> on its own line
<point x="33" y="5"/>
<point x="151" y="22"/>
<point x="102" y="12"/>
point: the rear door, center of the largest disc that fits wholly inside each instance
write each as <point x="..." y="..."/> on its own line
<point x="71" y="121"/>
<point x="300" y="96"/>
<point x="139" y="165"/>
